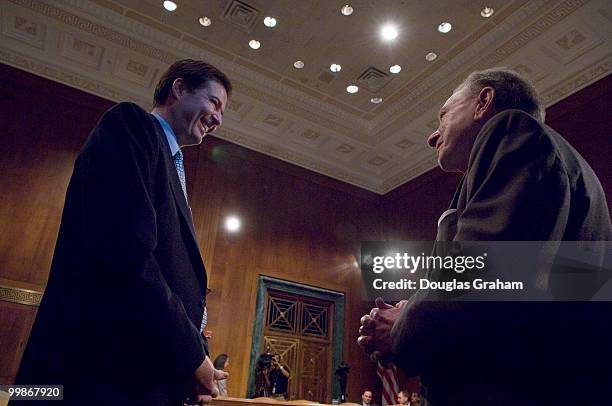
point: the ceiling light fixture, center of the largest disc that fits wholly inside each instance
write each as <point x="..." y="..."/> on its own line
<point x="430" y="57"/>
<point x="376" y="100"/>
<point x="205" y="21"/>
<point x="388" y="32"/>
<point x="254" y="44"/>
<point x="395" y="69"/>
<point x="232" y="224"/>
<point x="298" y="64"/>
<point x="270" y="22"/>
<point x="487" y="12"/>
<point x="169" y="5"/>
<point x="352" y="89"/>
<point x="346" y="10"/>
<point x="445" y="27"/>
<point x="335" y="67"/>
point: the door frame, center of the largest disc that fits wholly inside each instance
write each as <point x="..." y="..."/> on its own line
<point x="337" y="298"/>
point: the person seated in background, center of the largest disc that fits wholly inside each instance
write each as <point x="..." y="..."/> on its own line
<point x="415" y="399"/>
<point x="366" y="398"/>
<point x="221" y="363"/>
<point x="403" y="397"/>
<point x="279" y="378"/>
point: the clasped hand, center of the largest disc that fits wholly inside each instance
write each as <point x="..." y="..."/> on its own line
<point x="375" y="330"/>
<point x="204" y="382"/>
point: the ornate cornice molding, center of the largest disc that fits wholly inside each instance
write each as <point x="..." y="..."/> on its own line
<point x="245" y="140"/>
<point x="577" y="82"/>
<point x="71" y="79"/>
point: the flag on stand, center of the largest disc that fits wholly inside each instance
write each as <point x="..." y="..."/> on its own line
<point x="390" y="384"/>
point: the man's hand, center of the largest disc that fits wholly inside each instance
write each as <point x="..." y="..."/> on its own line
<point x="375" y="330"/>
<point x="204" y="382"/>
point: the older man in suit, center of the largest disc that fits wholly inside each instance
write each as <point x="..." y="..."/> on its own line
<point x="522" y="182"/>
<point x="121" y="319"/>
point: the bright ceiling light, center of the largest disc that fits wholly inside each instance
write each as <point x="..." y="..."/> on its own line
<point x="298" y="64"/>
<point x="376" y="100"/>
<point x="254" y="44"/>
<point x="430" y="57"/>
<point x="270" y="22"/>
<point x="205" y="21"/>
<point x="169" y="5"/>
<point x="388" y="32"/>
<point x="352" y="89"/>
<point x="346" y="10"/>
<point x="487" y="12"/>
<point x="444" y="27"/>
<point x="335" y="67"/>
<point x="395" y="69"/>
<point x="232" y="224"/>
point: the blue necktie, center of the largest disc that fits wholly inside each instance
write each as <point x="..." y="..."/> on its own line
<point x="180" y="169"/>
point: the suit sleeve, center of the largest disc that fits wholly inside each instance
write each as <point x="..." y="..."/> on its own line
<point x="120" y="165"/>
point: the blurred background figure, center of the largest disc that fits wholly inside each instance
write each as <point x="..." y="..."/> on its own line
<point x="366" y="398"/>
<point x="279" y="378"/>
<point x="403" y="397"/>
<point x="221" y="363"/>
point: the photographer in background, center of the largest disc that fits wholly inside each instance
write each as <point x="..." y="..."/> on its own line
<point x="263" y="387"/>
<point x="279" y="378"/>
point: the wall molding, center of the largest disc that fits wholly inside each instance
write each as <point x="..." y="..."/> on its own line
<point x="19" y="295"/>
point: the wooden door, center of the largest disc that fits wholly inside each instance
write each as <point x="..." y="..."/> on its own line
<point x="298" y="328"/>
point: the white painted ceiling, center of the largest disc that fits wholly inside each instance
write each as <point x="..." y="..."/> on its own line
<point x="118" y="49"/>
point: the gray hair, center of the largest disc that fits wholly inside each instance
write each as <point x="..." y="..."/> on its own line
<point x="512" y="91"/>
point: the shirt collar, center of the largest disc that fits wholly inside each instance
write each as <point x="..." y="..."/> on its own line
<point x="170" y="135"/>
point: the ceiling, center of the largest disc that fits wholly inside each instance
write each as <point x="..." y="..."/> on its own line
<point x="118" y="49"/>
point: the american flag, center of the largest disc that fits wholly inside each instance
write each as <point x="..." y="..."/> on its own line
<point x="390" y="384"/>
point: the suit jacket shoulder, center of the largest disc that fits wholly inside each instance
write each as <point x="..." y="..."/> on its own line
<point x="524" y="182"/>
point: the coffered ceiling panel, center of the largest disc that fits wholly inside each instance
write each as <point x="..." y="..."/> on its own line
<point x="117" y="49"/>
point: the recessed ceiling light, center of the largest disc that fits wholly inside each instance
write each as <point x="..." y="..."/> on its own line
<point x="431" y="57"/>
<point x="444" y="27"/>
<point x="346" y="10"/>
<point x="376" y="100"/>
<point x="388" y="32"/>
<point x="205" y="21"/>
<point x="169" y="5"/>
<point x="254" y="44"/>
<point x="352" y="89"/>
<point x="487" y="12"/>
<point x="232" y="223"/>
<point x="298" y="64"/>
<point x="335" y="67"/>
<point x="395" y="69"/>
<point x="270" y="22"/>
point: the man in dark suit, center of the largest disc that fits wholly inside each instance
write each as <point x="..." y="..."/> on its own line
<point x="522" y="182"/>
<point x="121" y="319"/>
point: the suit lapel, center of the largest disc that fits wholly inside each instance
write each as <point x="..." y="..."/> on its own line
<point x="179" y="198"/>
<point x="447" y="223"/>
<point x="181" y="202"/>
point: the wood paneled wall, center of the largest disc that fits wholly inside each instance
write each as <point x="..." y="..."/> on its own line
<point x="296" y="225"/>
<point x="293" y="229"/>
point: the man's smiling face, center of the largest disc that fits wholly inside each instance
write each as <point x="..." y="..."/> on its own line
<point x="199" y="112"/>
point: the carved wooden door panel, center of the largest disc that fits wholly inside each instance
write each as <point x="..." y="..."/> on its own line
<point x="299" y="329"/>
